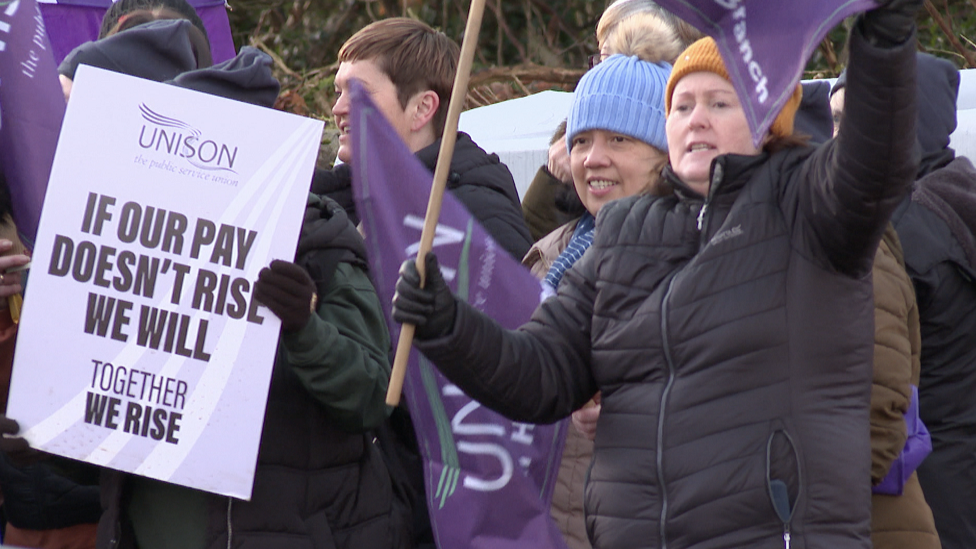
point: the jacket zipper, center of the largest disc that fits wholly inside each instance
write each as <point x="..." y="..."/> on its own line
<point x="230" y="525"/>
<point x="717" y="174"/>
<point x="660" y="414"/>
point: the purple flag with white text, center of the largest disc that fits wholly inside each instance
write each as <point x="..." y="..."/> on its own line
<point x="765" y="44"/>
<point x="31" y="108"/>
<point x="71" y="23"/>
<point x="489" y="480"/>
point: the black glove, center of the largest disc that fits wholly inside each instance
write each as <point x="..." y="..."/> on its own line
<point x="288" y="291"/>
<point x="431" y="308"/>
<point x="17" y="449"/>
<point x="891" y="23"/>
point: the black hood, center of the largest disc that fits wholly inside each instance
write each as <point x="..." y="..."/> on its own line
<point x="814" y="117"/>
<point x="156" y="51"/>
<point x="938" y="88"/>
<point x="486" y="188"/>
<point x="471" y="165"/>
<point x="247" y="77"/>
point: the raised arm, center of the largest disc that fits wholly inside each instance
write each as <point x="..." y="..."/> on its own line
<point x="849" y="188"/>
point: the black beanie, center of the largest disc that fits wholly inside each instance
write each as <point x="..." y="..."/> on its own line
<point x="157" y="51"/>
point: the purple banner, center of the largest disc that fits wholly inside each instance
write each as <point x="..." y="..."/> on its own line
<point x="74" y="22"/>
<point x="489" y="479"/>
<point x="765" y="44"/>
<point x="31" y="110"/>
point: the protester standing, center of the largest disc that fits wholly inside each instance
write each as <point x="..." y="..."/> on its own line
<point x="632" y="27"/>
<point x="617" y="147"/>
<point x="53" y="503"/>
<point x="937" y="227"/>
<point x="408" y="68"/>
<point x="729" y="325"/>
<point x="900" y="516"/>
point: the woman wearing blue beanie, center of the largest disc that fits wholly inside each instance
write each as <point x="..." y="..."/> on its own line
<point x="617" y="148"/>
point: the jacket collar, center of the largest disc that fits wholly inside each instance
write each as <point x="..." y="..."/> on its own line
<point x="729" y="173"/>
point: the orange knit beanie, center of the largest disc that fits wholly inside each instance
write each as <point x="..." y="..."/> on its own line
<point x="703" y="55"/>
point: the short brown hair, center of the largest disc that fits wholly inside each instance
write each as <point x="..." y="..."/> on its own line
<point x="414" y="56"/>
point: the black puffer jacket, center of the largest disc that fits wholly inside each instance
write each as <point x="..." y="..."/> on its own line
<point x="734" y="356"/>
<point x="937" y="228"/>
<point x="486" y="188"/>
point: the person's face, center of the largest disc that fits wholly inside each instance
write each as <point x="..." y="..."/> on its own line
<point x="381" y="91"/>
<point x="607" y="166"/>
<point x="837" y="108"/>
<point x="706" y="120"/>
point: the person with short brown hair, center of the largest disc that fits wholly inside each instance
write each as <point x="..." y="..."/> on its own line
<point x="408" y="70"/>
<point x="415" y="58"/>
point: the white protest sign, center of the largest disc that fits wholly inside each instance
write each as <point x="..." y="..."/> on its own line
<point x="140" y="347"/>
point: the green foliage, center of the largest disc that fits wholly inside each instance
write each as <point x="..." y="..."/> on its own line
<point x="305" y="35"/>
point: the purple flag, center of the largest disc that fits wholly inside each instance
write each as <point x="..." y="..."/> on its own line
<point x="765" y="44"/>
<point x="489" y="479"/>
<point x="74" y="22"/>
<point x="31" y="109"/>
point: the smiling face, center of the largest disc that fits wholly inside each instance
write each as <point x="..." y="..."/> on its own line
<point x="706" y="120"/>
<point x="383" y="93"/>
<point x="607" y="166"/>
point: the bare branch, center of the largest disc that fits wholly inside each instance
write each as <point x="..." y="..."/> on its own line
<point x="966" y="54"/>
<point x="259" y="44"/>
<point x="827" y="47"/>
<point x="495" y="5"/>
<point x="526" y="73"/>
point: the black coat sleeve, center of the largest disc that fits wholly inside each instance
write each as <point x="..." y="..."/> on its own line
<point x="847" y="189"/>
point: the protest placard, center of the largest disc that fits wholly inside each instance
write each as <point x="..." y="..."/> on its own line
<point x="140" y="347"/>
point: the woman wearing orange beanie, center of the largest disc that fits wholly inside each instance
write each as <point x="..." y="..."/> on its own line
<point x="729" y="324"/>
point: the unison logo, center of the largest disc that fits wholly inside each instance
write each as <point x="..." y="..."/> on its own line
<point x="177" y="138"/>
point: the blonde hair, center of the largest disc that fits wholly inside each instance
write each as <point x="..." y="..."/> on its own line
<point x="619" y="11"/>
<point x="645" y="35"/>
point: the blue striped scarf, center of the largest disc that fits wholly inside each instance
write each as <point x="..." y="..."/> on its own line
<point x="580" y="241"/>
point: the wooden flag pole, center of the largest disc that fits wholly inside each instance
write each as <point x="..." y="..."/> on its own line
<point x="458" y="93"/>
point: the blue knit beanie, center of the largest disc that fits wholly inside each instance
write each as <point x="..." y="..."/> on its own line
<point x="625" y="95"/>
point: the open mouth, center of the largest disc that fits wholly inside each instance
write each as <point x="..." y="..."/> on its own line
<point x="601" y="184"/>
<point x="698" y="147"/>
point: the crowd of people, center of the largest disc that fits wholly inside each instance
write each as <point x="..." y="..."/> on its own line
<point x="759" y="346"/>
